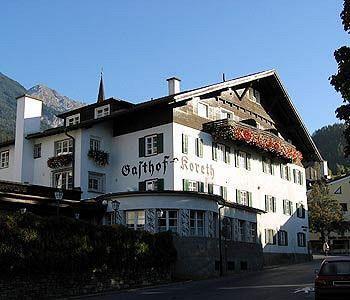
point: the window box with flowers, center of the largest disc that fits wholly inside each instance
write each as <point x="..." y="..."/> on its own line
<point x="60" y="161"/>
<point x="229" y="130"/>
<point x="100" y="157"/>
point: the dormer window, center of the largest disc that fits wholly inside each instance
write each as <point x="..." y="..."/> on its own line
<point x="254" y="95"/>
<point x="102" y="111"/>
<point x="203" y="110"/>
<point x="73" y="120"/>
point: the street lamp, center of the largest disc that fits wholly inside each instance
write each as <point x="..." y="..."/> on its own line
<point x="58" y="197"/>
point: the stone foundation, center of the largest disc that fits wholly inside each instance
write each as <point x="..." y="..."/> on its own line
<point x="273" y="259"/>
<point x="198" y="257"/>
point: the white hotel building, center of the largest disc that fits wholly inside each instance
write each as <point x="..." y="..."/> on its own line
<point x="237" y="148"/>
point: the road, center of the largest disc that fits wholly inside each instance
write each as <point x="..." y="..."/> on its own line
<point x="287" y="283"/>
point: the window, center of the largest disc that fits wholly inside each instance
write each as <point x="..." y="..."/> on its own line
<point x="270" y="237"/>
<point x="4" y="159"/>
<point x="338" y="191"/>
<point x="225" y="114"/>
<point x="267" y="166"/>
<point x="199" y="147"/>
<point x="135" y="219"/>
<point x="223" y="192"/>
<point x="151" y="145"/>
<point x="253" y="232"/>
<point x="244" y="197"/>
<point x="301" y="239"/>
<point x="156" y="184"/>
<point x="96" y="182"/>
<point x="203" y="110"/>
<point x="167" y="220"/>
<point x="242" y="160"/>
<point x="197" y="223"/>
<point x="193" y="186"/>
<point x="184" y="143"/>
<point x="95" y="143"/>
<point x="37" y="151"/>
<point x="110" y="218"/>
<point x="63" y="179"/>
<point x="282" y="238"/>
<point x="102" y="111"/>
<point x="285" y="172"/>
<point x="63" y="147"/>
<point x="73" y="120"/>
<point x="300" y="210"/>
<point x="298" y="177"/>
<point x="240" y="231"/>
<point x="270" y="203"/>
<point x="344" y="206"/>
<point x="221" y="152"/>
<point x="254" y="95"/>
<point x="287" y="207"/>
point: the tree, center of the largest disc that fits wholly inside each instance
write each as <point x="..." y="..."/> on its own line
<point x="341" y="80"/>
<point x="325" y="213"/>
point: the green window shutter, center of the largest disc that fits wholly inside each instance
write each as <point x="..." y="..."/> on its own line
<point x="274" y="237"/>
<point x="185" y="184"/>
<point x="238" y="196"/>
<point x="197" y="148"/>
<point x="284" y="206"/>
<point x="159" y="143"/>
<point x="272" y="169"/>
<point x="250" y="199"/>
<point x="248" y="159"/>
<point x="288" y="173"/>
<point x="274" y="204"/>
<point x="286" y="239"/>
<point x="266" y="203"/>
<point x="214" y="151"/>
<point x="160" y="184"/>
<point x="236" y="159"/>
<point x="142" y="147"/>
<point x="184" y="143"/>
<point x="142" y="186"/>
<point x="200" y="187"/>
<point x="281" y="170"/>
<point x="210" y="188"/>
<point x="301" y="178"/>
<point x="266" y="237"/>
<point x="294" y="175"/>
<point x="227" y="154"/>
<point x="200" y="148"/>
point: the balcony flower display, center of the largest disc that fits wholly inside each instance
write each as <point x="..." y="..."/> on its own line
<point x="229" y="130"/>
<point x="60" y="161"/>
<point x="100" y="157"/>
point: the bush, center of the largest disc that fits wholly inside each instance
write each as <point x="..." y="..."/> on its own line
<point x="32" y="244"/>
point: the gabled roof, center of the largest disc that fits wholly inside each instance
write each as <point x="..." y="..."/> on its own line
<point x="282" y="109"/>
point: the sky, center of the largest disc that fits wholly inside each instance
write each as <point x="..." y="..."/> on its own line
<point x="140" y="43"/>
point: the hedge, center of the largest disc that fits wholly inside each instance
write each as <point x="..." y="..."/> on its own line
<point x="32" y="244"/>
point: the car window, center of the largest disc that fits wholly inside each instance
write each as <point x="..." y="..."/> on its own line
<point x="335" y="268"/>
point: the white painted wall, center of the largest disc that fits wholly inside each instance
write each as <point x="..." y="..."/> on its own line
<point x="7" y="173"/>
<point x="125" y="151"/>
<point x="27" y="121"/>
<point x="255" y="181"/>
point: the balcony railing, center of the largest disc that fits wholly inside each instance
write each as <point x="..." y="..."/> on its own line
<point x="229" y="130"/>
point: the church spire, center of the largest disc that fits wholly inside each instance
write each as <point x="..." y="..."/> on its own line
<point x="101" y="92"/>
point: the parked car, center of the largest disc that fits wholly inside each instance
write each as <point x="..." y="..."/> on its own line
<point x="333" y="279"/>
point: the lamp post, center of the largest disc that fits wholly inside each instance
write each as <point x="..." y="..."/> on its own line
<point x="58" y="197"/>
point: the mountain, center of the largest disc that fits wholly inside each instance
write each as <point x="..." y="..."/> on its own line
<point x="330" y="141"/>
<point x="53" y="103"/>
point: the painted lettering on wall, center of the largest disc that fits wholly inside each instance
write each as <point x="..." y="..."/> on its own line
<point x="147" y="167"/>
<point x="205" y="169"/>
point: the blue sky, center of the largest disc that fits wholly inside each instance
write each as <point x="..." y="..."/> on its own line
<point x="63" y="44"/>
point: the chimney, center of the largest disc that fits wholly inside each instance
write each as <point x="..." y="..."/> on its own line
<point x="173" y="85"/>
<point x="27" y="121"/>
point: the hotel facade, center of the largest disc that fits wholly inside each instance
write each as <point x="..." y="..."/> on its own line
<point x="237" y="149"/>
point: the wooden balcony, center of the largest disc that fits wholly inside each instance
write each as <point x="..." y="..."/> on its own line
<point x="232" y="131"/>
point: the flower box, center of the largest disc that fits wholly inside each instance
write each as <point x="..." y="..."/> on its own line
<point x="100" y="157"/>
<point x="60" y="161"/>
<point x="266" y="141"/>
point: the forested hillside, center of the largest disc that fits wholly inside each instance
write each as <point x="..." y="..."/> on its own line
<point x="330" y="141"/>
